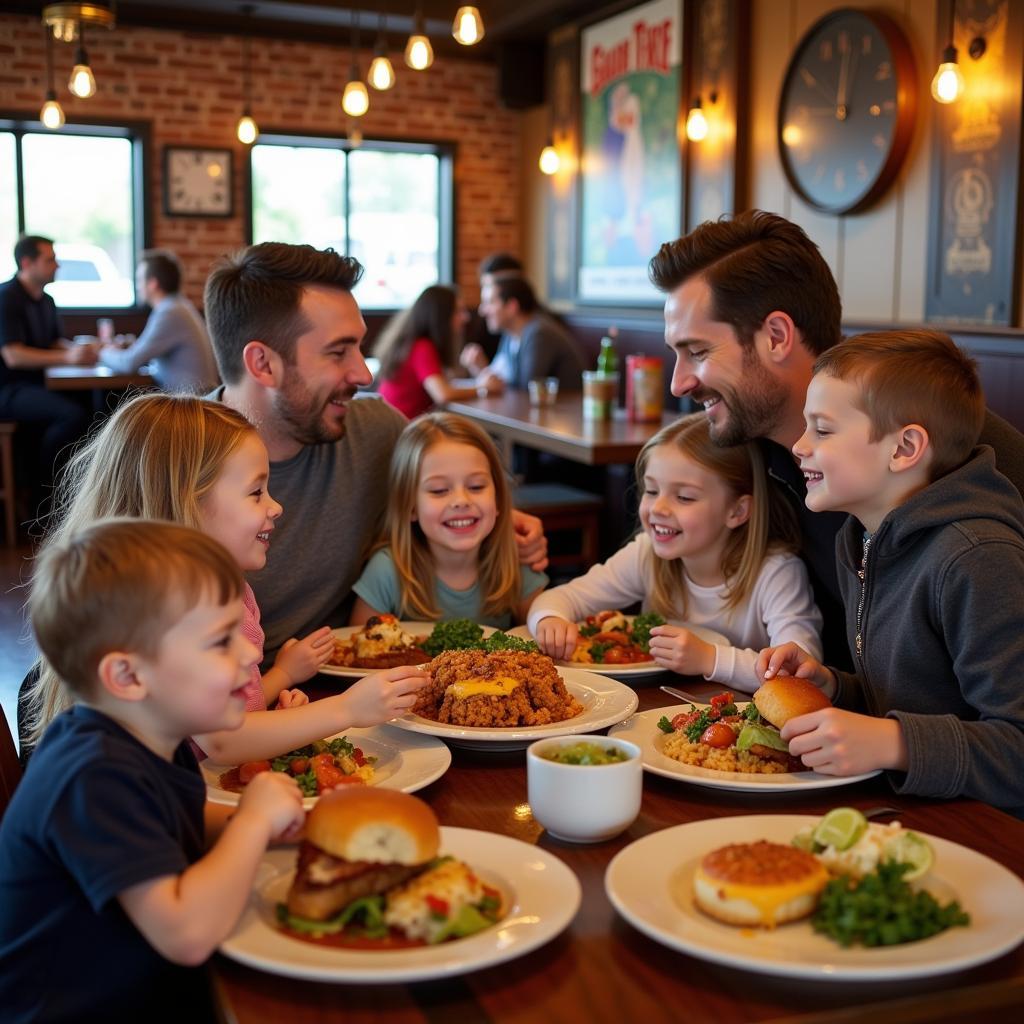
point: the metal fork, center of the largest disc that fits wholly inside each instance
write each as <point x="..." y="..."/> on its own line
<point x="693" y="698"/>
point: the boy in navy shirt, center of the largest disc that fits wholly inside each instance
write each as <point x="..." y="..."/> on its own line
<point x="107" y="895"/>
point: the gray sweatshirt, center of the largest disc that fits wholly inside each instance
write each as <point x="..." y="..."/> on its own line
<point x="937" y="631"/>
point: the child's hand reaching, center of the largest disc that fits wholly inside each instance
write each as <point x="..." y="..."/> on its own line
<point x="276" y="799"/>
<point x="384" y="695"/>
<point x="836" y="742"/>
<point x="299" y="660"/>
<point x="791" y="659"/>
<point x="681" y="651"/>
<point x="291" y="699"/>
<point x="556" y="637"/>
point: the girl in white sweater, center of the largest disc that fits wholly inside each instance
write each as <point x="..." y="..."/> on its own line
<point x="716" y="550"/>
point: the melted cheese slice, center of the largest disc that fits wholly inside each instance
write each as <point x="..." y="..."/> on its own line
<point x="498" y="686"/>
<point x="769" y="901"/>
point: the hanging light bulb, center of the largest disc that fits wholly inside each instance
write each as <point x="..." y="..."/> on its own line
<point x="247" y="131"/>
<point x="382" y="74"/>
<point x="696" y="123"/>
<point x="82" y="82"/>
<point x="549" y="161"/>
<point x="65" y="18"/>
<point x="948" y="83"/>
<point x="355" y="100"/>
<point x="419" y="54"/>
<point x="468" y="26"/>
<point x="52" y="115"/>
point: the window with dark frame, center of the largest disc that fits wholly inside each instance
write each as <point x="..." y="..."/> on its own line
<point x="389" y="204"/>
<point x="83" y="187"/>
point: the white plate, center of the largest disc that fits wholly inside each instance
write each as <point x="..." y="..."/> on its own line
<point x="646" y="668"/>
<point x="605" y="701"/>
<point x="404" y="762"/>
<point x="650" y="885"/>
<point x="344" y="632"/>
<point x="542" y="893"/>
<point x="642" y="729"/>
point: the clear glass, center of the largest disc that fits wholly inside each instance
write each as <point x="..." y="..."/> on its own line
<point x="394" y="228"/>
<point x="78" y="191"/>
<point x="284" y="211"/>
<point x="8" y="206"/>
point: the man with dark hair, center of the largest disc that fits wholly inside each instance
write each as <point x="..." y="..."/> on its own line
<point x="532" y="345"/>
<point x="31" y="339"/>
<point x="287" y="332"/>
<point x="174" y="342"/>
<point x="499" y="263"/>
<point x="750" y="304"/>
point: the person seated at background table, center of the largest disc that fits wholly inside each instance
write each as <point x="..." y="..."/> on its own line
<point x="108" y="893"/>
<point x="31" y="339"/>
<point x="448" y="550"/>
<point x="419" y="348"/>
<point x="750" y="304"/>
<point x="931" y="563"/>
<point x="174" y="341"/>
<point x="716" y="550"/>
<point x="533" y="345"/>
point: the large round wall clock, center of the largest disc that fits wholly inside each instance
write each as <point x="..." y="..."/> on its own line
<point x="846" y="113"/>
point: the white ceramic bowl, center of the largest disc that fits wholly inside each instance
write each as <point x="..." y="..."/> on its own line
<point x="584" y="803"/>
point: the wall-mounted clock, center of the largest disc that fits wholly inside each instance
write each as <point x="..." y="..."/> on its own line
<point x="846" y="112"/>
<point x="197" y="182"/>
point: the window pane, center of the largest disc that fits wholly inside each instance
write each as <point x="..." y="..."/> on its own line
<point x="8" y="206"/>
<point x="298" y="196"/>
<point x="78" y="191"/>
<point x="393" y="224"/>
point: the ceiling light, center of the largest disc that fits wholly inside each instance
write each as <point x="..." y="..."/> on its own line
<point x="382" y="74"/>
<point x="549" y="161"/>
<point x="66" y="19"/>
<point x="696" y="123"/>
<point x="247" y="129"/>
<point x="82" y="82"/>
<point x="51" y="114"/>
<point x="468" y="27"/>
<point x="419" y="54"/>
<point x="948" y="82"/>
<point x="355" y="100"/>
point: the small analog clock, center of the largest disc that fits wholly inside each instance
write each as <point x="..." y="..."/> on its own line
<point x="846" y="112"/>
<point x="197" y="182"/>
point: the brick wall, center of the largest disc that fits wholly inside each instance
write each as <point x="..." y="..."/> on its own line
<point x="188" y="86"/>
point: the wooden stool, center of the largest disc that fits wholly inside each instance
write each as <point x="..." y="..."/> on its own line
<point x="562" y="509"/>
<point x="7" y="481"/>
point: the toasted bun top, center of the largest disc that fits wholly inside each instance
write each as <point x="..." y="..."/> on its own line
<point x="366" y="823"/>
<point x="761" y="864"/>
<point x="786" y="697"/>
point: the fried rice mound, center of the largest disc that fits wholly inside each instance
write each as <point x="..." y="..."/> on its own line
<point x="541" y="699"/>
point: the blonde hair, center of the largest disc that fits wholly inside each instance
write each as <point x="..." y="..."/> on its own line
<point x="155" y="458"/>
<point x="914" y="376"/>
<point x="771" y="525"/>
<point x="499" y="573"/>
<point x="120" y="585"/>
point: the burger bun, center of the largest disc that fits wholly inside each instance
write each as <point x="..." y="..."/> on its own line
<point x="786" y="697"/>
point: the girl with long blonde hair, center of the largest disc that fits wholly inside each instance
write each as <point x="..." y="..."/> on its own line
<point x="715" y="550"/>
<point x="200" y="464"/>
<point x="447" y="550"/>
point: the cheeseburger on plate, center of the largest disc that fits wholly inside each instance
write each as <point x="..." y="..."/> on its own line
<point x="777" y="701"/>
<point x="369" y="875"/>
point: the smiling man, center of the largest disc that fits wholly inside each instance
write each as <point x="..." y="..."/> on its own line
<point x="750" y="304"/>
<point x="287" y="334"/>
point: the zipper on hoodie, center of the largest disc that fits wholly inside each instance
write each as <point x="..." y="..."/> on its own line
<point x="862" y="575"/>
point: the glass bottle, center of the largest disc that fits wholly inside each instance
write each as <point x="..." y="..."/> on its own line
<point x="608" y="358"/>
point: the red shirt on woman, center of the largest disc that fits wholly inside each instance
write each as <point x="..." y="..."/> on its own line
<point x="405" y="389"/>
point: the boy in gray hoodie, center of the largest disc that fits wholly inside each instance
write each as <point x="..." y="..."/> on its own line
<point x="931" y="566"/>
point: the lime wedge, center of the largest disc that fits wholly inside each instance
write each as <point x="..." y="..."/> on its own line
<point x="841" y="828"/>
<point x="910" y="848"/>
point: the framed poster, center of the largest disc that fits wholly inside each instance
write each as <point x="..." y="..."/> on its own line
<point x="631" y="172"/>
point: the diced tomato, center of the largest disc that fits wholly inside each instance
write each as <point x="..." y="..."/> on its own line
<point x="248" y="771"/>
<point x="437" y="905"/>
<point x="720" y="700"/>
<point x="718" y="735"/>
<point x="299" y="766"/>
<point x="328" y="774"/>
<point x="359" y="757"/>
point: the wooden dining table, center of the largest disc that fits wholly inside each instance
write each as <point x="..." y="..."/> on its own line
<point x="93" y="378"/>
<point x="561" y="428"/>
<point x="603" y="971"/>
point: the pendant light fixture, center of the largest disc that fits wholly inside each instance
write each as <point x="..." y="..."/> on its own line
<point x="696" y="123"/>
<point x="550" y="161"/>
<point x="355" y="101"/>
<point x="51" y="115"/>
<point x="382" y="74"/>
<point x="419" y="54"/>
<point x="66" y="19"/>
<point x="468" y="26"/>
<point x="948" y="83"/>
<point x="82" y="82"/>
<point x="247" y="130"/>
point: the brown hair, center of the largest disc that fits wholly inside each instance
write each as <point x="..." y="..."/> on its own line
<point x="518" y="288"/>
<point x="770" y="527"/>
<point x="499" y="573"/>
<point x="430" y="317"/>
<point x="256" y="293"/>
<point x="27" y="248"/>
<point x="914" y="376"/>
<point x="155" y="458"/>
<point x="755" y="263"/>
<point x="121" y="584"/>
<point x="163" y="267"/>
